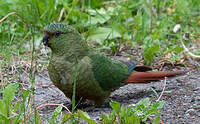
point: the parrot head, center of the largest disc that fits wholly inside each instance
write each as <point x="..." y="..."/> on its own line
<point x="52" y="33"/>
<point x="64" y="39"/>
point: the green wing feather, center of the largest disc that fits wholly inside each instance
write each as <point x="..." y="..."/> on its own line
<point x="109" y="73"/>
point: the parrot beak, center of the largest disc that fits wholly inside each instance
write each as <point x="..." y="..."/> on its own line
<point x="45" y="40"/>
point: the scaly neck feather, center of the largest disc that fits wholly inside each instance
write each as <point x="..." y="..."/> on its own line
<point x="70" y="45"/>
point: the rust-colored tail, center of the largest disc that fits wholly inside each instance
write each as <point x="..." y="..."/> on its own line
<point x="146" y="77"/>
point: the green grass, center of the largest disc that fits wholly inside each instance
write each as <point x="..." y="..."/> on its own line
<point x="111" y="24"/>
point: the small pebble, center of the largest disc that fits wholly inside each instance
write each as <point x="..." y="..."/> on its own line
<point x="191" y="111"/>
<point x="199" y="114"/>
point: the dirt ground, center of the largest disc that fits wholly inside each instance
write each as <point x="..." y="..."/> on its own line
<point x="182" y="97"/>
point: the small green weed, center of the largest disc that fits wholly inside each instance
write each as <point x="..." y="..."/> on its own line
<point x="121" y="115"/>
<point x="6" y="105"/>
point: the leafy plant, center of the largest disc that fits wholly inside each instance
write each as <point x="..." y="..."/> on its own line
<point x="6" y="108"/>
<point x="110" y="23"/>
<point x="121" y="115"/>
<point x="142" y="110"/>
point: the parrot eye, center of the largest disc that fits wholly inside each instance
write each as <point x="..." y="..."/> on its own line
<point x="57" y="34"/>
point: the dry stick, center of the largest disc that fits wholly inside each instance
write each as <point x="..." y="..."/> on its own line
<point x="11" y="13"/>
<point x="62" y="12"/>
<point x="162" y="90"/>
<point x="43" y="105"/>
<point x="186" y="49"/>
<point x="151" y="16"/>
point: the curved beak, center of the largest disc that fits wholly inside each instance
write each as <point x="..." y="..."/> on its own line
<point x="45" y="40"/>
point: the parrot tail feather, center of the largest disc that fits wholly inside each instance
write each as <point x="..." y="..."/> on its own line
<point x="147" y="77"/>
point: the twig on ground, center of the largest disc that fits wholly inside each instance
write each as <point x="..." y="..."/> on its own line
<point x="43" y="105"/>
<point x="161" y="64"/>
<point x="186" y="49"/>
<point x="45" y="86"/>
<point x="162" y="90"/>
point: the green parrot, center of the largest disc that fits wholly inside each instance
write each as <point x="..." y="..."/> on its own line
<point x="97" y="74"/>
